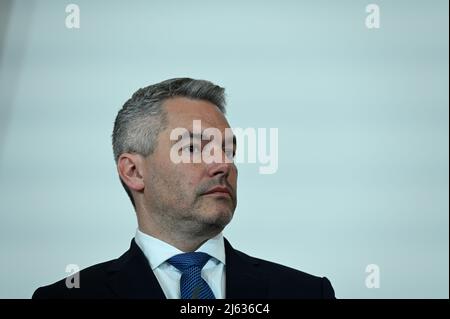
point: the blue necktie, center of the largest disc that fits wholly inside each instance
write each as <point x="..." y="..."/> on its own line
<point x="192" y="285"/>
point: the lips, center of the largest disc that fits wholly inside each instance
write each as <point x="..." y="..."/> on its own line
<point x="219" y="190"/>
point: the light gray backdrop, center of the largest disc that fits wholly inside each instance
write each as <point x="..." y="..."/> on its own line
<point x="362" y="117"/>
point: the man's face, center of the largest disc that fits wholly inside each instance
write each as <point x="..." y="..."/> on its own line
<point x="175" y="193"/>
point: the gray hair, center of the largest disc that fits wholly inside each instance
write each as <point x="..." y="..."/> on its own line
<point x="142" y="117"/>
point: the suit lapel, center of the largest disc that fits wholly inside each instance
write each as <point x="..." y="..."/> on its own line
<point x="132" y="277"/>
<point x="243" y="279"/>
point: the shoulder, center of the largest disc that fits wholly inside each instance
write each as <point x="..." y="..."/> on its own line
<point x="91" y="283"/>
<point x="287" y="282"/>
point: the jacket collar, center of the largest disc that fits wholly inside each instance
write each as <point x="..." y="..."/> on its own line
<point x="244" y="280"/>
<point x="130" y="276"/>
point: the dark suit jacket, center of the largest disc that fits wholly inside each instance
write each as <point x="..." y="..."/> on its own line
<point x="130" y="276"/>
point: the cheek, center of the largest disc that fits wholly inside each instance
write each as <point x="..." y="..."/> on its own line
<point x="233" y="175"/>
<point x="160" y="178"/>
<point x="188" y="176"/>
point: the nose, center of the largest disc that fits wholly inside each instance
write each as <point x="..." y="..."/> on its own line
<point x="219" y="163"/>
<point x="220" y="169"/>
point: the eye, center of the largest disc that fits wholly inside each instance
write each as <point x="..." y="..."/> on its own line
<point x="192" y="148"/>
<point x="229" y="153"/>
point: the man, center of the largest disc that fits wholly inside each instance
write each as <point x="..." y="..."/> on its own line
<point x="182" y="207"/>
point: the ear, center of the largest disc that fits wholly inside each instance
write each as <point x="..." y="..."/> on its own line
<point x="130" y="169"/>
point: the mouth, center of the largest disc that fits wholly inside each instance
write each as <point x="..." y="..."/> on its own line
<point x="220" y="191"/>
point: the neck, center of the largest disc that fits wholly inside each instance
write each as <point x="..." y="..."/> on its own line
<point x="187" y="240"/>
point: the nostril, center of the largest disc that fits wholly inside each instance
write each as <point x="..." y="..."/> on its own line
<point x="219" y="169"/>
<point x="220" y="173"/>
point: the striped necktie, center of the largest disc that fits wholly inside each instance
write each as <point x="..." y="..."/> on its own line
<point x="192" y="285"/>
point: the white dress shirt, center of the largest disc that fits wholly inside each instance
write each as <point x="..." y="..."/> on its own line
<point x="158" y="252"/>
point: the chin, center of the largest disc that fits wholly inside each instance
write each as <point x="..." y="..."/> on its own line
<point x="218" y="217"/>
<point x="216" y="212"/>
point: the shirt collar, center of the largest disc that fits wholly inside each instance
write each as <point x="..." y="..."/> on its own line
<point x="158" y="251"/>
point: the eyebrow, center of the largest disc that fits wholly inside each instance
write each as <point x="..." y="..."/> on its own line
<point x="199" y="137"/>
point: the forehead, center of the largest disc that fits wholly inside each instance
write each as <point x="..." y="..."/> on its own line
<point x="181" y="112"/>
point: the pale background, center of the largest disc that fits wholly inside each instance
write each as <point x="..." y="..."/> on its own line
<point x="362" y="117"/>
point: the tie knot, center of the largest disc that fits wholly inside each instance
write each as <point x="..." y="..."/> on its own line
<point x="186" y="261"/>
